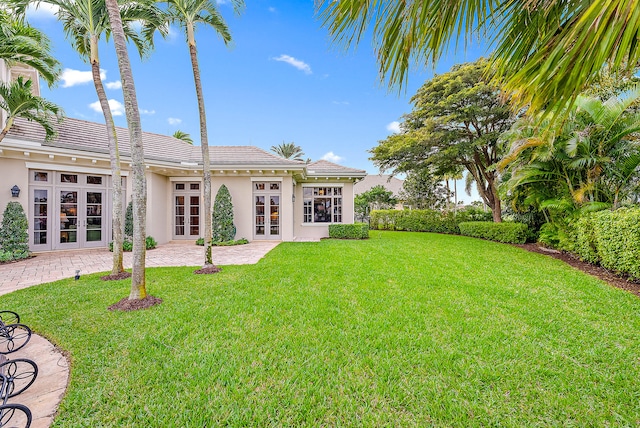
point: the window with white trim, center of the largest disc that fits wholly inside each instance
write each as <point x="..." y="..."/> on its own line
<point x="322" y="204"/>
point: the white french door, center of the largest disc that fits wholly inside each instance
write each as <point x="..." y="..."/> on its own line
<point x="82" y="219"/>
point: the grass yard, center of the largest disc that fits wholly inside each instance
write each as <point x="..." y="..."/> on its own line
<point x="405" y="329"/>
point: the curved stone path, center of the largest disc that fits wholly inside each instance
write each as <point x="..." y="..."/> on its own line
<point x="44" y="396"/>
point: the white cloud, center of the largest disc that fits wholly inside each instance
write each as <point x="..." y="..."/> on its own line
<point x="144" y="111"/>
<point x="114" y="85"/>
<point x="117" y="108"/>
<point x="42" y="11"/>
<point x="300" y="65"/>
<point x="174" y="121"/>
<point x="394" y="127"/>
<point x="331" y="157"/>
<point x="72" y="77"/>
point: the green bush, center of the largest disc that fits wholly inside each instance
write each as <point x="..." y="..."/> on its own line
<point x="240" y="241"/>
<point x="14" y="235"/>
<point x="617" y="240"/>
<point x="349" y="231"/>
<point x="512" y="233"/>
<point x="200" y="241"/>
<point x="426" y="220"/>
<point x="223" y="229"/>
<point x="127" y="244"/>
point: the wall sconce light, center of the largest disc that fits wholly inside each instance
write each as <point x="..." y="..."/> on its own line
<point x="15" y="191"/>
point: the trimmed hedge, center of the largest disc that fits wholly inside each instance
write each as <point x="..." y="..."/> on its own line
<point x="349" y="231"/>
<point x="507" y="232"/>
<point x="425" y="220"/>
<point x="611" y="238"/>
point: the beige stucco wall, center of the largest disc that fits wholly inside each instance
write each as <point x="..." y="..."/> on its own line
<point x="158" y="207"/>
<point x="240" y="190"/>
<point x="13" y="171"/>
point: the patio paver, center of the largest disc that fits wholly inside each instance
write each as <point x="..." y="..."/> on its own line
<point x="44" y="396"/>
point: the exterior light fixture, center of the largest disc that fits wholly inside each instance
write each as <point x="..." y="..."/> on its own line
<point x="15" y="191"/>
<point x="77" y="277"/>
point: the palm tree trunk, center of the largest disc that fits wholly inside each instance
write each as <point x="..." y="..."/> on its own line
<point x="118" y="232"/>
<point x="138" y="280"/>
<point x="204" y="144"/>
<point x="6" y="128"/>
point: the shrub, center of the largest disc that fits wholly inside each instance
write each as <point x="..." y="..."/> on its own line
<point x="512" y="233"/>
<point x="240" y="241"/>
<point x="128" y="220"/>
<point x="349" y="231"/>
<point x="222" y="219"/>
<point x="414" y="221"/>
<point x="127" y="244"/>
<point x="150" y="243"/>
<point x="617" y="240"/>
<point x="200" y="241"/>
<point x="14" y="235"/>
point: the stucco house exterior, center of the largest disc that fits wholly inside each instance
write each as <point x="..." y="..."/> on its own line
<point x="65" y="187"/>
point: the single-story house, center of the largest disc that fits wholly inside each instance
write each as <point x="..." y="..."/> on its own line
<point x="65" y="187"/>
<point x="389" y="182"/>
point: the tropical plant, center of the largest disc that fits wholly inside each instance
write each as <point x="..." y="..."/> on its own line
<point x="20" y="43"/>
<point x="588" y="163"/>
<point x="188" y="14"/>
<point x="376" y="198"/>
<point x="422" y="190"/>
<point x="456" y="122"/>
<point x="289" y="151"/>
<point x="538" y="43"/>
<point x="17" y="100"/>
<point x="14" y="236"/>
<point x="85" y="22"/>
<point x="180" y="135"/>
<point x="139" y="199"/>
<point x="223" y="229"/>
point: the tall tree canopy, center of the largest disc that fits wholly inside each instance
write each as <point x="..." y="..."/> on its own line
<point x="456" y="121"/>
<point x="548" y="50"/>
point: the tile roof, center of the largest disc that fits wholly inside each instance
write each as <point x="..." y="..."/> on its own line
<point x="325" y="167"/>
<point x="91" y="137"/>
<point x="389" y="182"/>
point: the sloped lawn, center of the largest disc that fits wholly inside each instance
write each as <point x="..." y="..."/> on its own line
<point x="404" y="329"/>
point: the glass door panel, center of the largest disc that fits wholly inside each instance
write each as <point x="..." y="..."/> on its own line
<point x="179" y="215"/>
<point x="68" y="217"/>
<point x="274" y="215"/>
<point x="40" y="216"/>
<point x="93" y="220"/>
<point x="194" y="215"/>
<point x="259" y="205"/>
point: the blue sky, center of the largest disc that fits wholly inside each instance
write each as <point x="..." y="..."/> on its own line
<point x="282" y="80"/>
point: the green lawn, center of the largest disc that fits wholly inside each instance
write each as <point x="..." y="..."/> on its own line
<point x="405" y="329"/>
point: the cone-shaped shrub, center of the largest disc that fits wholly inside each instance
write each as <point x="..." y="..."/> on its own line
<point x="128" y="220"/>
<point x="223" y="228"/>
<point x="14" y="235"/>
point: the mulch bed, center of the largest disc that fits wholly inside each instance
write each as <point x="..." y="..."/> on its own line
<point x="127" y="305"/>
<point x="207" y="270"/>
<point x="116" y="276"/>
<point x="597" y="271"/>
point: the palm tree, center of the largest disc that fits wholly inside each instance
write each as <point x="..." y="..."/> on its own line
<point x="17" y="100"/>
<point x="20" y="43"/>
<point x="289" y="151"/>
<point x="188" y="14"/>
<point x="138" y="278"/>
<point x="180" y="135"/>
<point x="538" y="42"/>
<point x="85" y="22"/>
